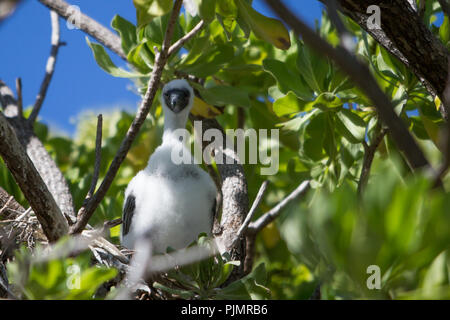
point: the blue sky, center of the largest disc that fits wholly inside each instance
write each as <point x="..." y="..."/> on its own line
<point x="78" y="83"/>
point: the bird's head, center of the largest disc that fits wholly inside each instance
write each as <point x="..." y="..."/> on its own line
<point x="177" y="95"/>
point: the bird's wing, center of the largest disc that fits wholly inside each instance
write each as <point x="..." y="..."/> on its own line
<point x="128" y="212"/>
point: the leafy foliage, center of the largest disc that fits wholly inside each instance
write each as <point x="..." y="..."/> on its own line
<point x="251" y="64"/>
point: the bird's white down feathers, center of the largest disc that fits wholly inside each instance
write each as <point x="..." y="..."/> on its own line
<point x="173" y="203"/>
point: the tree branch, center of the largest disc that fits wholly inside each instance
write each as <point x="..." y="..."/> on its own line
<point x="161" y="59"/>
<point x="248" y="219"/>
<point x="405" y="36"/>
<point x="8" y="204"/>
<point x="88" y="25"/>
<point x="98" y="160"/>
<point x="50" y="68"/>
<point x="30" y="182"/>
<point x="273" y="213"/>
<point x="361" y="76"/>
<point x="46" y="166"/>
<point x="445" y="7"/>
<point x="234" y="196"/>
<point x="369" y="154"/>
<point x="19" y="97"/>
<point x="446" y="137"/>
<point x="188" y="36"/>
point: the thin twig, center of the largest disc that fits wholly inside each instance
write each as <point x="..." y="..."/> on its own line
<point x="177" y="45"/>
<point x="361" y="76"/>
<point x="258" y="199"/>
<point x="19" y="96"/>
<point x="272" y="214"/>
<point x="369" y="154"/>
<point x="136" y="125"/>
<point x="50" y="68"/>
<point x="6" y="205"/>
<point x="111" y="224"/>
<point x="250" y="242"/>
<point x="98" y="160"/>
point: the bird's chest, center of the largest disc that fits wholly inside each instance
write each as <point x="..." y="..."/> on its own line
<point x="174" y="204"/>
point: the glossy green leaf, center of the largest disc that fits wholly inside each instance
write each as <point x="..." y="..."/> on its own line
<point x="351" y="126"/>
<point x="209" y="62"/>
<point x="287" y="105"/>
<point x="224" y="95"/>
<point x="146" y="10"/>
<point x="313" y="67"/>
<point x="127" y="32"/>
<point x="444" y="30"/>
<point x="206" y="9"/>
<point x="268" y="29"/>
<point x="287" y="80"/>
<point x="105" y="62"/>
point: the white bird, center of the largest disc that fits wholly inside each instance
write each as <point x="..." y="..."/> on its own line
<point x="166" y="203"/>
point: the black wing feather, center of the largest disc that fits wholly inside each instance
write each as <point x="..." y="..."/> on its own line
<point x="128" y="212"/>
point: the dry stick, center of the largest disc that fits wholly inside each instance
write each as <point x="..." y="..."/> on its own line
<point x="141" y="115"/>
<point x="273" y="213"/>
<point x="6" y="205"/>
<point x="258" y="199"/>
<point x="30" y="182"/>
<point x="98" y="160"/>
<point x="50" y="68"/>
<point x="19" y="96"/>
<point x="87" y="24"/>
<point x="361" y="76"/>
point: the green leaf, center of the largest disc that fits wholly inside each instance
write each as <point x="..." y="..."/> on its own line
<point x="206" y="9"/>
<point x="324" y="101"/>
<point x="251" y="286"/>
<point x="444" y="30"/>
<point x="388" y="66"/>
<point x="141" y="57"/>
<point x="224" y="95"/>
<point x="184" y="294"/>
<point x="227" y="8"/>
<point x="287" y="80"/>
<point x="146" y="10"/>
<point x="313" y="67"/>
<point x="299" y="122"/>
<point x="437" y="273"/>
<point x="104" y="61"/>
<point x="265" y="28"/>
<point x="210" y="62"/>
<point x="400" y="99"/>
<point x="288" y="104"/>
<point x="155" y="30"/>
<point x="350" y="125"/>
<point x="127" y="32"/>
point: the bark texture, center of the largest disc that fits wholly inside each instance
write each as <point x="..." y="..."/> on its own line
<point x="43" y="162"/>
<point x="405" y="36"/>
<point x="30" y="182"/>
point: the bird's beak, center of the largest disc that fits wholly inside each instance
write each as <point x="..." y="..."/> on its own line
<point x="176" y="99"/>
